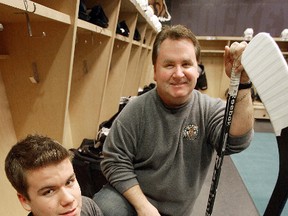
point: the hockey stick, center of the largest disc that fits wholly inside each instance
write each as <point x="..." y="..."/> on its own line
<point x="230" y="104"/>
<point x="268" y="70"/>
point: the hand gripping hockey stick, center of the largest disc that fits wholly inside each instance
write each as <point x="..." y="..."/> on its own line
<point x="268" y="71"/>
<point x="230" y="104"/>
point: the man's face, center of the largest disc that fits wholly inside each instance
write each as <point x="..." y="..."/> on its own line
<point x="53" y="190"/>
<point x="175" y="71"/>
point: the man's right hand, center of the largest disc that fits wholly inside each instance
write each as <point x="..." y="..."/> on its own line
<point x="141" y="204"/>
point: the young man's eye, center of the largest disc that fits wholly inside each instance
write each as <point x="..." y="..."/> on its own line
<point x="71" y="181"/>
<point x="48" y="192"/>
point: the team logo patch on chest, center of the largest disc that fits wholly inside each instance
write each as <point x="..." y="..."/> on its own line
<point x="191" y="132"/>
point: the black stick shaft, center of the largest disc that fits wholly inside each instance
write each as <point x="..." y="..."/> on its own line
<point x="230" y="104"/>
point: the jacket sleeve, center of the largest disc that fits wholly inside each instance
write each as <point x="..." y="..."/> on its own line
<point x="238" y="144"/>
<point x="118" y="150"/>
<point x="216" y="110"/>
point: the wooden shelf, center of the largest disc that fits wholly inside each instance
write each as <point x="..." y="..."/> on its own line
<point x="216" y="44"/>
<point x="136" y="43"/>
<point x="122" y="38"/>
<point x="212" y="52"/>
<point x="14" y="11"/>
<point x="89" y="27"/>
<point x="3" y="57"/>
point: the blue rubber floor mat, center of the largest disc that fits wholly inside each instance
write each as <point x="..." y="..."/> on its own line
<point x="258" y="167"/>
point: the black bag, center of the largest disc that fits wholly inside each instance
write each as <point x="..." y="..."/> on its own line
<point x="122" y="28"/>
<point x="83" y="12"/>
<point x="87" y="169"/>
<point x="87" y="158"/>
<point x="98" y="16"/>
<point x="146" y="88"/>
<point x="137" y="35"/>
<point x="202" y="80"/>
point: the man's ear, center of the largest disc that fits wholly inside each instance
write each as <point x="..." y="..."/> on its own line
<point x="24" y="202"/>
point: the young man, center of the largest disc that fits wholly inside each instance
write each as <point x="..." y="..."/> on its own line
<point x="159" y="149"/>
<point x="41" y="172"/>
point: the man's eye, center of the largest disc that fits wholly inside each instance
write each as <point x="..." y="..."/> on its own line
<point x="48" y="192"/>
<point x="169" y="66"/>
<point x="187" y="65"/>
<point x="71" y="181"/>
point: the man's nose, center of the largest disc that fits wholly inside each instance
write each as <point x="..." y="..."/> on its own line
<point x="178" y="71"/>
<point x="66" y="197"/>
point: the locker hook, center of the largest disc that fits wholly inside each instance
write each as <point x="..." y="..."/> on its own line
<point x="28" y="18"/>
<point x="26" y="6"/>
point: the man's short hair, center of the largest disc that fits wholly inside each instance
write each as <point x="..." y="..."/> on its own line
<point x="33" y="152"/>
<point x="175" y="32"/>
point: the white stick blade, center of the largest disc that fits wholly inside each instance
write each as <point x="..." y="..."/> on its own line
<point x="265" y="65"/>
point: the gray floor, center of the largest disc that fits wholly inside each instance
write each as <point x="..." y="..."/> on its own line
<point x="232" y="195"/>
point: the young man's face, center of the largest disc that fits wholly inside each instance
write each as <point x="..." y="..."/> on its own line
<point x="53" y="190"/>
<point x="175" y="71"/>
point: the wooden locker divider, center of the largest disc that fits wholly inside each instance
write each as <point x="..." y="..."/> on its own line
<point x="133" y="75"/>
<point x="93" y="53"/>
<point x="147" y="67"/>
<point x="115" y="81"/>
<point x="119" y="62"/>
<point x="92" y="58"/>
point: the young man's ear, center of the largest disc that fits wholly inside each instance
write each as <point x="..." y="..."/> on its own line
<point x="24" y="202"/>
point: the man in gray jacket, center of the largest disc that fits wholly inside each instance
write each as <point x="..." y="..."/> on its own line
<point x="158" y="150"/>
